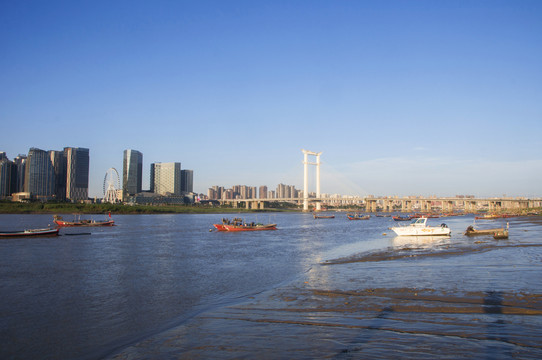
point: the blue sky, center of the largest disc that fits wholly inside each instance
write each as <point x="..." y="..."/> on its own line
<point x="402" y="97"/>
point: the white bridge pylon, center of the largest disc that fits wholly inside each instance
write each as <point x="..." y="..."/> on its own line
<point x="306" y="162"/>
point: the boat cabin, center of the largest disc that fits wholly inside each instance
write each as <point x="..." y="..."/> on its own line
<point x="419" y="222"/>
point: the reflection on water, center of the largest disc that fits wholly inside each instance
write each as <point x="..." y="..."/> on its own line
<point x="420" y="242"/>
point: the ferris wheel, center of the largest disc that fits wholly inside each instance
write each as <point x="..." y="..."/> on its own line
<point x="111" y="185"/>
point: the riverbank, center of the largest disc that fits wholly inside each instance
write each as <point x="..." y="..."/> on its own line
<point x="68" y="208"/>
<point x="8" y="207"/>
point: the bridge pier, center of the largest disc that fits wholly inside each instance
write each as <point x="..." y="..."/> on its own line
<point x="370" y="205"/>
<point x="388" y="206"/>
<point x="469" y="206"/>
<point x="406" y="205"/>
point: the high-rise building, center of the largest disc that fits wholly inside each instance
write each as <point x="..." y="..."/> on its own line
<point x="215" y="193"/>
<point x="166" y="178"/>
<point x="263" y="192"/>
<point x="286" y="191"/>
<point x="244" y="192"/>
<point x="20" y="164"/>
<point x="39" y="174"/>
<point x="77" y="173"/>
<point x="7" y="176"/>
<point x="58" y="160"/>
<point x="187" y="181"/>
<point x="212" y="194"/>
<point x="132" y="172"/>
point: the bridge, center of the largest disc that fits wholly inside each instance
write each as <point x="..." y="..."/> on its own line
<point x="402" y="204"/>
<point x="389" y="204"/>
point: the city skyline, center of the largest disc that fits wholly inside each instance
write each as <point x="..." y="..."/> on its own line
<point x="402" y="98"/>
<point x="46" y="175"/>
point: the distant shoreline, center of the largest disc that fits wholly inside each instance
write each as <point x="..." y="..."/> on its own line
<point x="8" y="207"/>
<point x="119" y="209"/>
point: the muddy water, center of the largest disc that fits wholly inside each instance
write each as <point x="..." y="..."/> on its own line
<point x="383" y="297"/>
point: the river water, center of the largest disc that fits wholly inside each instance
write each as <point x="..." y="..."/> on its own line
<point x="164" y="286"/>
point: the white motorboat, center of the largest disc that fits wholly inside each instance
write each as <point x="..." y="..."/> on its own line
<point x="419" y="227"/>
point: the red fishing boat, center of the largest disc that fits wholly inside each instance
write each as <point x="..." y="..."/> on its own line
<point x="82" y="223"/>
<point x="251" y="227"/>
<point x="30" y="232"/>
<point x="221" y="227"/>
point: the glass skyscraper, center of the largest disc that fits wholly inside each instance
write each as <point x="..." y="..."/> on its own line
<point x="166" y="178"/>
<point x="58" y="160"/>
<point x="132" y="172"/>
<point x="39" y="174"/>
<point x="187" y="181"/>
<point x="77" y="173"/>
<point x="7" y="168"/>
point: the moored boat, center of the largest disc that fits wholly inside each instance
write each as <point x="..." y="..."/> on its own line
<point x="59" y="221"/>
<point x="31" y="232"/>
<point x="358" y="217"/>
<point x="250" y="227"/>
<point x="419" y="227"/>
<point x="221" y="227"/>
<point x="402" y="218"/>
<point x="324" y="216"/>
<point x="487" y="217"/>
<point x="472" y="231"/>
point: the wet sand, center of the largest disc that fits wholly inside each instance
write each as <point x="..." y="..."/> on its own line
<point x="474" y="299"/>
<point x="375" y="323"/>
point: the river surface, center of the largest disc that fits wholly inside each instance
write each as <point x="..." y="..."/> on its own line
<point x="165" y="286"/>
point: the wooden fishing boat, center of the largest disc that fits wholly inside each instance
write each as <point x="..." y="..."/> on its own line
<point x="401" y="218"/>
<point x="250" y="227"/>
<point x="221" y="227"/>
<point x="31" y="232"/>
<point x="487" y="217"/>
<point x="324" y="216"/>
<point x="358" y="217"/>
<point x="425" y="215"/>
<point x="59" y="221"/>
<point x="472" y="231"/>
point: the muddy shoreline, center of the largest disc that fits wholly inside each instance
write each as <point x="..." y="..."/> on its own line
<point x="453" y="298"/>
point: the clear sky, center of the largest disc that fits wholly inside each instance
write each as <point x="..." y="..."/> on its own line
<point x="402" y="97"/>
